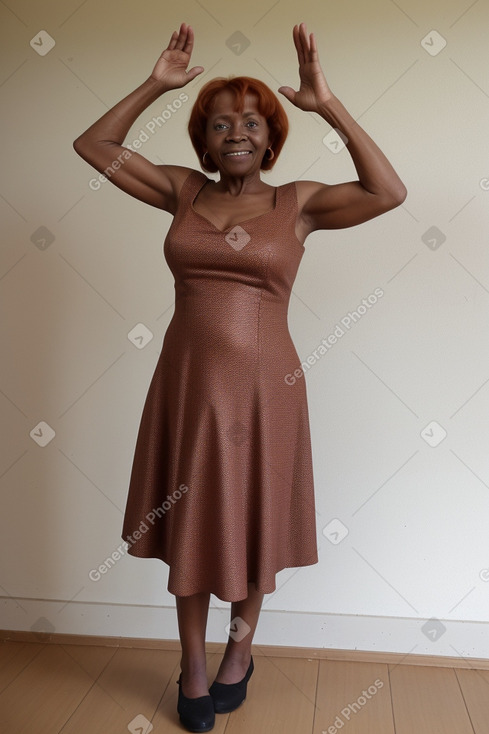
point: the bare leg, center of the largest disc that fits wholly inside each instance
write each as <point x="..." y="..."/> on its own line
<point x="192" y="614"/>
<point x="237" y="655"/>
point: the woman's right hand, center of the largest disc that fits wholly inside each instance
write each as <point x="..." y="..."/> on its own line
<point x="170" y="69"/>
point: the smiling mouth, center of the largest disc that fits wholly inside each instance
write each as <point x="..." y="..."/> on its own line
<point x="237" y="153"/>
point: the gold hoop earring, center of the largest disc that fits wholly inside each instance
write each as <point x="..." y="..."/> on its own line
<point x="203" y="157"/>
<point x="269" y="156"/>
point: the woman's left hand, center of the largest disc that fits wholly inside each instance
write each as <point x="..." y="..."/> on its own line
<point x="314" y="90"/>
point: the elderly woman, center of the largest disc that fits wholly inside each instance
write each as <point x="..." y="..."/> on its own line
<point x="222" y="485"/>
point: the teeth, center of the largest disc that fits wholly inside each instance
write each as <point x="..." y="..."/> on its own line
<point x="241" y="152"/>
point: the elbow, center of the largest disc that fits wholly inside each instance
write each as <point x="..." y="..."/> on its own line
<point x="396" y="196"/>
<point x="401" y="194"/>
<point x="78" y="145"/>
<point x="83" y="146"/>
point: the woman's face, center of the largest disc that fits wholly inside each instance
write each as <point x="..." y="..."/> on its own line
<point x="236" y="141"/>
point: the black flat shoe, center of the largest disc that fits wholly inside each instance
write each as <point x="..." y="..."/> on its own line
<point x="196" y="714"/>
<point x="228" y="696"/>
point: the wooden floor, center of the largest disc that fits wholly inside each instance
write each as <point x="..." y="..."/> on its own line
<point x="83" y="689"/>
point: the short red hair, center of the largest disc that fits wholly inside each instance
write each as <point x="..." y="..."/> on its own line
<point x="268" y="106"/>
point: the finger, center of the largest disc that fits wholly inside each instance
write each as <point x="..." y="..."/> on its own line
<point x="298" y="45"/>
<point x="314" y="48"/>
<point x="304" y="40"/>
<point x="173" y="40"/>
<point x="302" y="43"/>
<point x="193" y="72"/>
<point x="190" y="41"/>
<point x="288" y="92"/>
<point x="182" y="37"/>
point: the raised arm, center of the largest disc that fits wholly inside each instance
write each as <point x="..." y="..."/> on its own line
<point x="101" y="144"/>
<point x="378" y="188"/>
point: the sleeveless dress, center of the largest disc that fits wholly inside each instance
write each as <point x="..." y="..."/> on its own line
<point x="221" y="487"/>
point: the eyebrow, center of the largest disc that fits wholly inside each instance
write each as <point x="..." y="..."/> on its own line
<point x="227" y="117"/>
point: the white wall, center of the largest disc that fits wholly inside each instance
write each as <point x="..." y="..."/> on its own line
<point x="417" y="515"/>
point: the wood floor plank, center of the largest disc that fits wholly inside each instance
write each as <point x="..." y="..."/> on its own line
<point x="74" y="689"/>
<point x="281" y="698"/>
<point x="475" y="690"/>
<point x="14" y="657"/>
<point x="91" y="658"/>
<point x="43" y="695"/>
<point x="428" y="701"/>
<point x="129" y="689"/>
<point x="354" y="696"/>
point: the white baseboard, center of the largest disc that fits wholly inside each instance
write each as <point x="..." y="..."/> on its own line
<point x="400" y="635"/>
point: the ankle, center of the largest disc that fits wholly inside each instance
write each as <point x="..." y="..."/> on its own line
<point x="237" y="655"/>
<point x="193" y="665"/>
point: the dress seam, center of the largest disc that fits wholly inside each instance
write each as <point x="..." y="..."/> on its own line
<point x="258" y="326"/>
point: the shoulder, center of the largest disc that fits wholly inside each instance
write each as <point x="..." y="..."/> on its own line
<point x="305" y="194"/>
<point x="180" y="176"/>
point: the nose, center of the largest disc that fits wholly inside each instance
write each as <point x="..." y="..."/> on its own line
<point x="235" y="133"/>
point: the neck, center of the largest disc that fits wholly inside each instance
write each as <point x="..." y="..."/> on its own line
<point x="239" y="185"/>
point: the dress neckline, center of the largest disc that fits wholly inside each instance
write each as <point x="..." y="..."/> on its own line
<point x="237" y="224"/>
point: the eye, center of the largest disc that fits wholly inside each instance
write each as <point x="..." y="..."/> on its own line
<point x="253" y="123"/>
<point x="219" y="126"/>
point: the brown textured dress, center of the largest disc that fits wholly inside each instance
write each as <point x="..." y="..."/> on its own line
<point x="221" y="487"/>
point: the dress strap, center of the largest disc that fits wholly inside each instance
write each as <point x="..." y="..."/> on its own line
<point x="288" y="200"/>
<point x="194" y="181"/>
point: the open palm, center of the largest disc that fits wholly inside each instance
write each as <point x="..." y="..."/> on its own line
<point x="171" y="67"/>
<point x="314" y="89"/>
